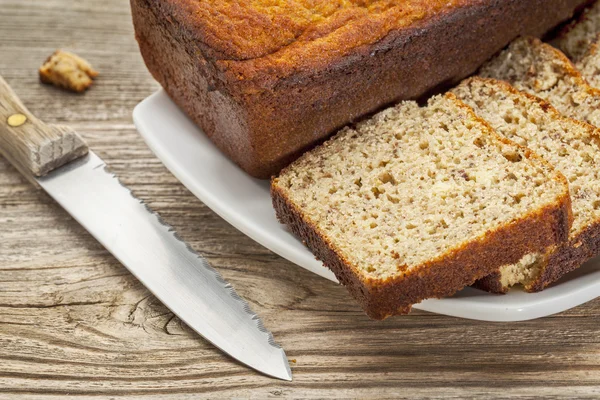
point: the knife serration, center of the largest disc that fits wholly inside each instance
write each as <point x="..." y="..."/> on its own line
<point x="155" y="254"/>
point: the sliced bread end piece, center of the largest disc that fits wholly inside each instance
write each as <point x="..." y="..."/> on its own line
<point x="419" y="202"/>
<point x="572" y="147"/>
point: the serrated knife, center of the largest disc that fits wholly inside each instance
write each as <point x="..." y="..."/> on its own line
<point x="57" y="159"/>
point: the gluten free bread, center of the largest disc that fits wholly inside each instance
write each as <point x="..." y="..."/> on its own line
<point x="419" y="202"/>
<point x="580" y="41"/>
<point x="539" y="69"/>
<point x="572" y="147"/>
<point x="266" y="80"/>
<point x="575" y="38"/>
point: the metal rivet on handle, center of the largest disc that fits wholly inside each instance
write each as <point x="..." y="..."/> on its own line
<point x="16" y="120"/>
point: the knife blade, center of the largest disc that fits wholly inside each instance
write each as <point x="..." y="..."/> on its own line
<point x="56" y="159"/>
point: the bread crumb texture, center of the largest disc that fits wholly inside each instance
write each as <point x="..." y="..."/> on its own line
<point x="569" y="145"/>
<point x="580" y="39"/>
<point x="412" y="184"/>
<point x="525" y="272"/>
<point x="544" y="71"/>
<point x="589" y="65"/>
<point x="575" y="38"/>
<point x="68" y="71"/>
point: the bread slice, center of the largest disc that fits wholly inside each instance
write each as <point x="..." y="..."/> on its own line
<point x="580" y="39"/>
<point x="575" y="38"/>
<point x="540" y="69"/>
<point x="419" y="202"/>
<point x="573" y="147"/>
<point x="589" y="65"/>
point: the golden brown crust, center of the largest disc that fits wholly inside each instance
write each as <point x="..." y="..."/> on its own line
<point x="491" y="283"/>
<point x="569" y="257"/>
<point x="299" y="30"/>
<point x="558" y="262"/>
<point x="564" y="259"/>
<point x="264" y="112"/>
<point x="448" y="273"/>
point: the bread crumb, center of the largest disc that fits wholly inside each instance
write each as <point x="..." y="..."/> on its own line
<point x="68" y="71"/>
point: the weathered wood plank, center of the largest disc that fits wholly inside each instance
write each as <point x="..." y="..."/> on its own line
<point x="73" y="321"/>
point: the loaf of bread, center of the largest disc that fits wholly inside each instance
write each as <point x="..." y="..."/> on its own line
<point x="419" y="202"/>
<point x="572" y="147"/>
<point x="580" y="40"/>
<point x="266" y="80"/>
<point x="544" y="71"/>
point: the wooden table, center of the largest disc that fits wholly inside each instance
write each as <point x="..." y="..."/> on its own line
<point x="73" y="321"/>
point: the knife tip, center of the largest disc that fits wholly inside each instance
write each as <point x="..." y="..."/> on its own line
<point x="280" y="369"/>
<point x="286" y="372"/>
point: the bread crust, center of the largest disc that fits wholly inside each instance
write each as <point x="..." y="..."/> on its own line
<point x="562" y="260"/>
<point x="491" y="283"/>
<point x="558" y="262"/>
<point x="263" y="114"/>
<point x="448" y="273"/>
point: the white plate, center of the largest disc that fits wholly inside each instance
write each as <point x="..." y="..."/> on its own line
<point x="245" y="203"/>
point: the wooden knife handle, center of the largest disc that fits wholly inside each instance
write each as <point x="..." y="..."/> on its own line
<point x="30" y="145"/>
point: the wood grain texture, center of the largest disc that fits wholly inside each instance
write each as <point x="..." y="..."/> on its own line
<point x="30" y="145"/>
<point x="74" y="322"/>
